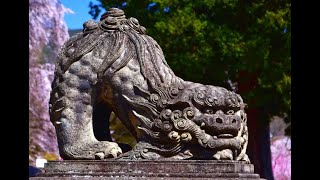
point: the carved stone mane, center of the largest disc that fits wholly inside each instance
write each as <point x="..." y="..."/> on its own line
<point x="114" y="62"/>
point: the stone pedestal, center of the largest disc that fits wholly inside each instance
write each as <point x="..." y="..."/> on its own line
<point x="109" y="169"/>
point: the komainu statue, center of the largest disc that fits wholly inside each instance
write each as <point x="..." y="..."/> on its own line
<point x="113" y="62"/>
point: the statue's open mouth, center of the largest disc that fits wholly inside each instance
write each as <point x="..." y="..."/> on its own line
<point x="225" y="136"/>
<point x="225" y="133"/>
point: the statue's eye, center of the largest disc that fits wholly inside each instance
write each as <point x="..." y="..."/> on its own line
<point x="208" y="111"/>
<point x="230" y="112"/>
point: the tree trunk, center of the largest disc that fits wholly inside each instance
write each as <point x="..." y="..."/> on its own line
<point x="259" y="133"/>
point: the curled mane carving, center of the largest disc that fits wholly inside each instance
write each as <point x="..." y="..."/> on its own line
<point x="129" y="35"/>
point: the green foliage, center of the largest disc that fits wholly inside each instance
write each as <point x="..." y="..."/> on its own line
<point x="51" y="156"/>
<point x="211" y="41"/>
<point x="35" y="151"/>
<point x="119" y="132"/>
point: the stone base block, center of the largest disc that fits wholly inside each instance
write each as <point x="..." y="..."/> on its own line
<point x="155" y="170"/>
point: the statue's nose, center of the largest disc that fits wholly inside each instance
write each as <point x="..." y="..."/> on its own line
<point x="223" y="120"/>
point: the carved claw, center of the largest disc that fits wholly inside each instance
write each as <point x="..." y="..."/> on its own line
<point x="243" y="157"/>
<point x="115" y="152"/>
<point x="99" y="155"/>
<point x="112" y="151"/>
<point x="224" y="154"/>
<point x="246" y="158"/>
<point x="216" y="156"/>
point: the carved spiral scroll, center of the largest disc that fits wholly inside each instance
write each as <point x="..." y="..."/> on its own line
<point x="188" y="113"/>
<point x="199" y="97"/>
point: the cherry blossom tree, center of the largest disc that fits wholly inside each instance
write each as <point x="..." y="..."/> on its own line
<point x="47" y="33"/>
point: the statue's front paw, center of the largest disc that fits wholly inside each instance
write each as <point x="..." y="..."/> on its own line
<point x="91" y="150"/>
<point x="225" y="154"/>
<point x="112" y="150"/>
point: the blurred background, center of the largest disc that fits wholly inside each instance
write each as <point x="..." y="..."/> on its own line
<point x="244" y="46"/>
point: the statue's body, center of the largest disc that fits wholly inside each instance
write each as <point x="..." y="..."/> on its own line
<point x="116" y="63"/>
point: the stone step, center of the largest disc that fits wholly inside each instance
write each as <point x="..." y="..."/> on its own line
<point x="160" y="169"/>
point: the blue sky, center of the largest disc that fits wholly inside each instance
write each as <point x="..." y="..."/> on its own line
<point x="81" y="12"/>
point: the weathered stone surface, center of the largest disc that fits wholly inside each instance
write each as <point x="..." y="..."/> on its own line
<point x="113" y="61"/>
<point x="145" y="169"/>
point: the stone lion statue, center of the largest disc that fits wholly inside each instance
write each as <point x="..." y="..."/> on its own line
<point x="114" y="63"/>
